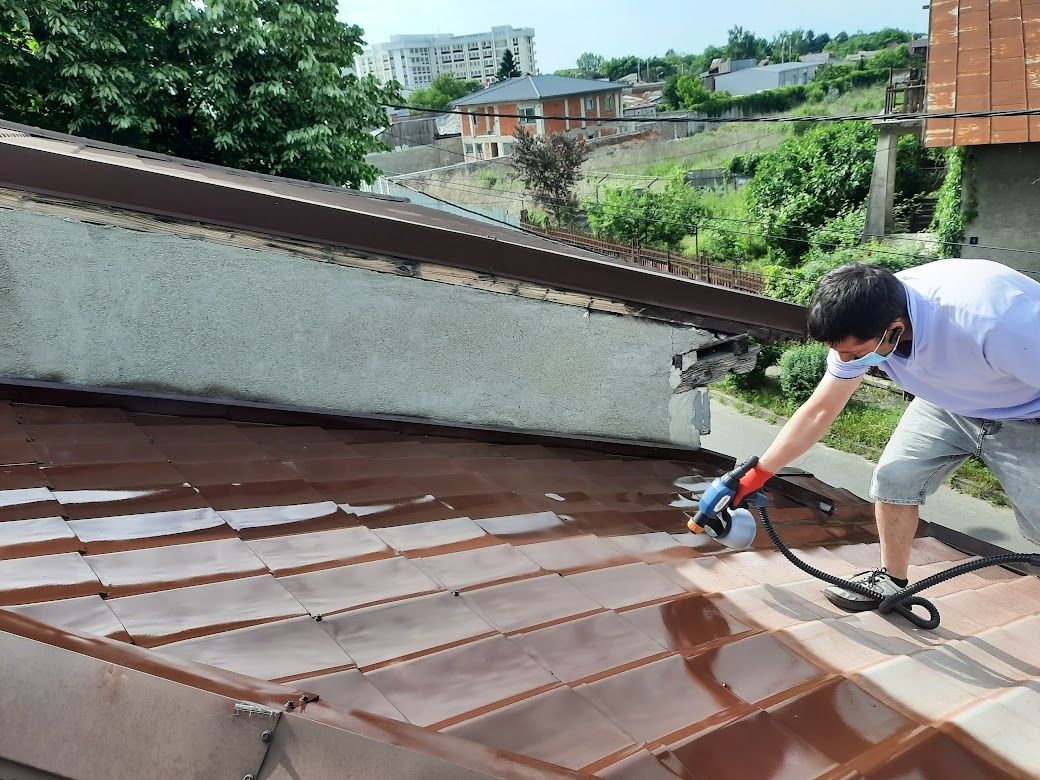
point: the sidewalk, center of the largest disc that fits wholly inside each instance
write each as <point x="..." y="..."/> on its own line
<point x="742" y="436"/>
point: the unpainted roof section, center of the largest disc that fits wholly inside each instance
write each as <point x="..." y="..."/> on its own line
<point x="82" y="170"/>
<point x="983" y="56"/>
<point x="536" y="598"/>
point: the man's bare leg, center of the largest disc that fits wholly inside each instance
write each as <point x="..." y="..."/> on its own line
<point x="897" y="524"/>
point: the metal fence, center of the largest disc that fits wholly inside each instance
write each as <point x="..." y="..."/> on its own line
<point x="701" y="270"/>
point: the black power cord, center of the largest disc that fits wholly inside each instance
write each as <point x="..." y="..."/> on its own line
<point x="903" y="601"/>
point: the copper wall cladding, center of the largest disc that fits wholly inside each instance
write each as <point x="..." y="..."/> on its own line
<point x="533" y="597"/>
<point x="983" y="56"/>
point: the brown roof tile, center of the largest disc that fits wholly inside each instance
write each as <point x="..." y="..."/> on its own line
<point x="40" y="536"/>
<point x="531" y="727"/>
<point x="996" y="43"/>
<point x="442" y="686"/>
<point x="587" y="628"/>
<point x="45" y="578"/>
<point x="168" y="616"/>
<point x="281" y="650"/>
<point x="89" y="614"/>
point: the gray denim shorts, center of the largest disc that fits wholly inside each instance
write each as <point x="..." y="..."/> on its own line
<point x="930" y="443"/>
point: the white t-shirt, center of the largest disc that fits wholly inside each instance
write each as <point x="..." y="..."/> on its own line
<point x="976" y="340"/>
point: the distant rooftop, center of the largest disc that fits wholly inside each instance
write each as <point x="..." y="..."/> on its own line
<point x="536" y="88"/>
<point x="785" y="66"/>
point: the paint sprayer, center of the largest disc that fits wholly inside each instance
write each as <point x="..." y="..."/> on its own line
<point x="735" y="527"/>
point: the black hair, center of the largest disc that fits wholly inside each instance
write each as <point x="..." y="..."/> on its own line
<point x="858" y="300"/>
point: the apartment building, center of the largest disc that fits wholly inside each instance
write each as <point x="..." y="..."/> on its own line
<point x="415" y="61"/>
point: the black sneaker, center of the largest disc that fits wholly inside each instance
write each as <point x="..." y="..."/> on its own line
<point x="877" y="580"/>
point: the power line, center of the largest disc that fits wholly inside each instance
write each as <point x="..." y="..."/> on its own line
<point x="746" y="119"/>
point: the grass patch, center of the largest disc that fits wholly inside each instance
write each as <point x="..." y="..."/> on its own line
<point x="863" y="428"/>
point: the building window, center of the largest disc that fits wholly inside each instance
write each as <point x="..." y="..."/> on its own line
<point x="590" y="103"/>
<point x="526" y="116"/>
<point x="610" y="103"/>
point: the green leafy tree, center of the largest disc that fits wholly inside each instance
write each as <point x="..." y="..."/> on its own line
<point x="618" y="67"/>
<point x="691" y="91"/>
<point x="649" y="217"/>
<point x="809" y="179"/>
<point x="254" y="84"/>
<point x="590" y="64"/>
<point x="742" y="44"/>
<point x="844" y="43"/>
<point x="507" y="69"/>
<point x="444" y="89"/>
<point x="550" y="166"/>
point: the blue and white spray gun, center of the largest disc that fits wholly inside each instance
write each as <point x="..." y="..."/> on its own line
<point x="732" y="526"/>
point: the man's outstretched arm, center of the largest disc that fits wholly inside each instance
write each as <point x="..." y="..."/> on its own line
<point x="806" y="427"/>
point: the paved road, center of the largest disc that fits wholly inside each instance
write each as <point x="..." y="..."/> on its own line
<point x="741" y="436"/>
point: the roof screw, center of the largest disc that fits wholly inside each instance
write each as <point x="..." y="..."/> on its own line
<point x="305" y="698"/>
<point x="454" y="593"/>
<point x="318" y="618"/>
<point x="290" y="705"/>
<point x="265" y="737"/>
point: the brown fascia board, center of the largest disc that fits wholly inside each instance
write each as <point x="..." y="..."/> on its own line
<point x="61" y="394"/>
<point x="392" y="229"/>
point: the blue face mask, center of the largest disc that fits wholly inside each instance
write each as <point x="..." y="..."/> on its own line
<point x="872" y="358"/>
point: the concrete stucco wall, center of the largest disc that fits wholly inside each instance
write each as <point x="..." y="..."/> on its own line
<point x="102" y="305"/>
<point x="445" y="151"/>
<point x="1006" y="181"/>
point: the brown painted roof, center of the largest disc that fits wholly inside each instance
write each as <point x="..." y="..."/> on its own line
<point x="537" y="598"/>
<point x="79" y="169"/>
<point x="983" y="56"/>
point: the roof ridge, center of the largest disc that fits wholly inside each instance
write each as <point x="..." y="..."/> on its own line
<point x="492" y="88"/>
<point x="534" y="86"/>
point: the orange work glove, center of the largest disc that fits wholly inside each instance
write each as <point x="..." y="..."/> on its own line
<point x="752" y="482"/>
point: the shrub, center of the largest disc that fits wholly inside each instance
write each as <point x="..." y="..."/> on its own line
<point x="744" y="164"/>
<point x="801" y="369"/>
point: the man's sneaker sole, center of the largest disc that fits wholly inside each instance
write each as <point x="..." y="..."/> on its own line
<point x="850" y="605"/>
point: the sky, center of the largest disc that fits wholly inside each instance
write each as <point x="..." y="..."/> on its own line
<point x="563" y="29"/>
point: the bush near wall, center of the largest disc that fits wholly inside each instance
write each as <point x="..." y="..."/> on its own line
<point x="801" y="369"/>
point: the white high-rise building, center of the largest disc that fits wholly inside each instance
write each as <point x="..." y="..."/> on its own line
<point x="416" y="60"/>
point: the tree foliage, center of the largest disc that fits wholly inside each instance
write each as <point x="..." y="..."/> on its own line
<point x="590" y="64"/>
<point x="507" y="68"/>
<point x="843" y="43"/>
<point x="789" y="45"/>
<point x="650" y="217"/>
<point x="743" y="44"/>
<point x="444" y="89"/>
<point x="550" y="166"/>
<point x="809" y="179"/>
<point x="254" y="84"/>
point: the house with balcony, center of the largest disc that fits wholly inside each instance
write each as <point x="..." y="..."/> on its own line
<point x="494" y="114"/>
